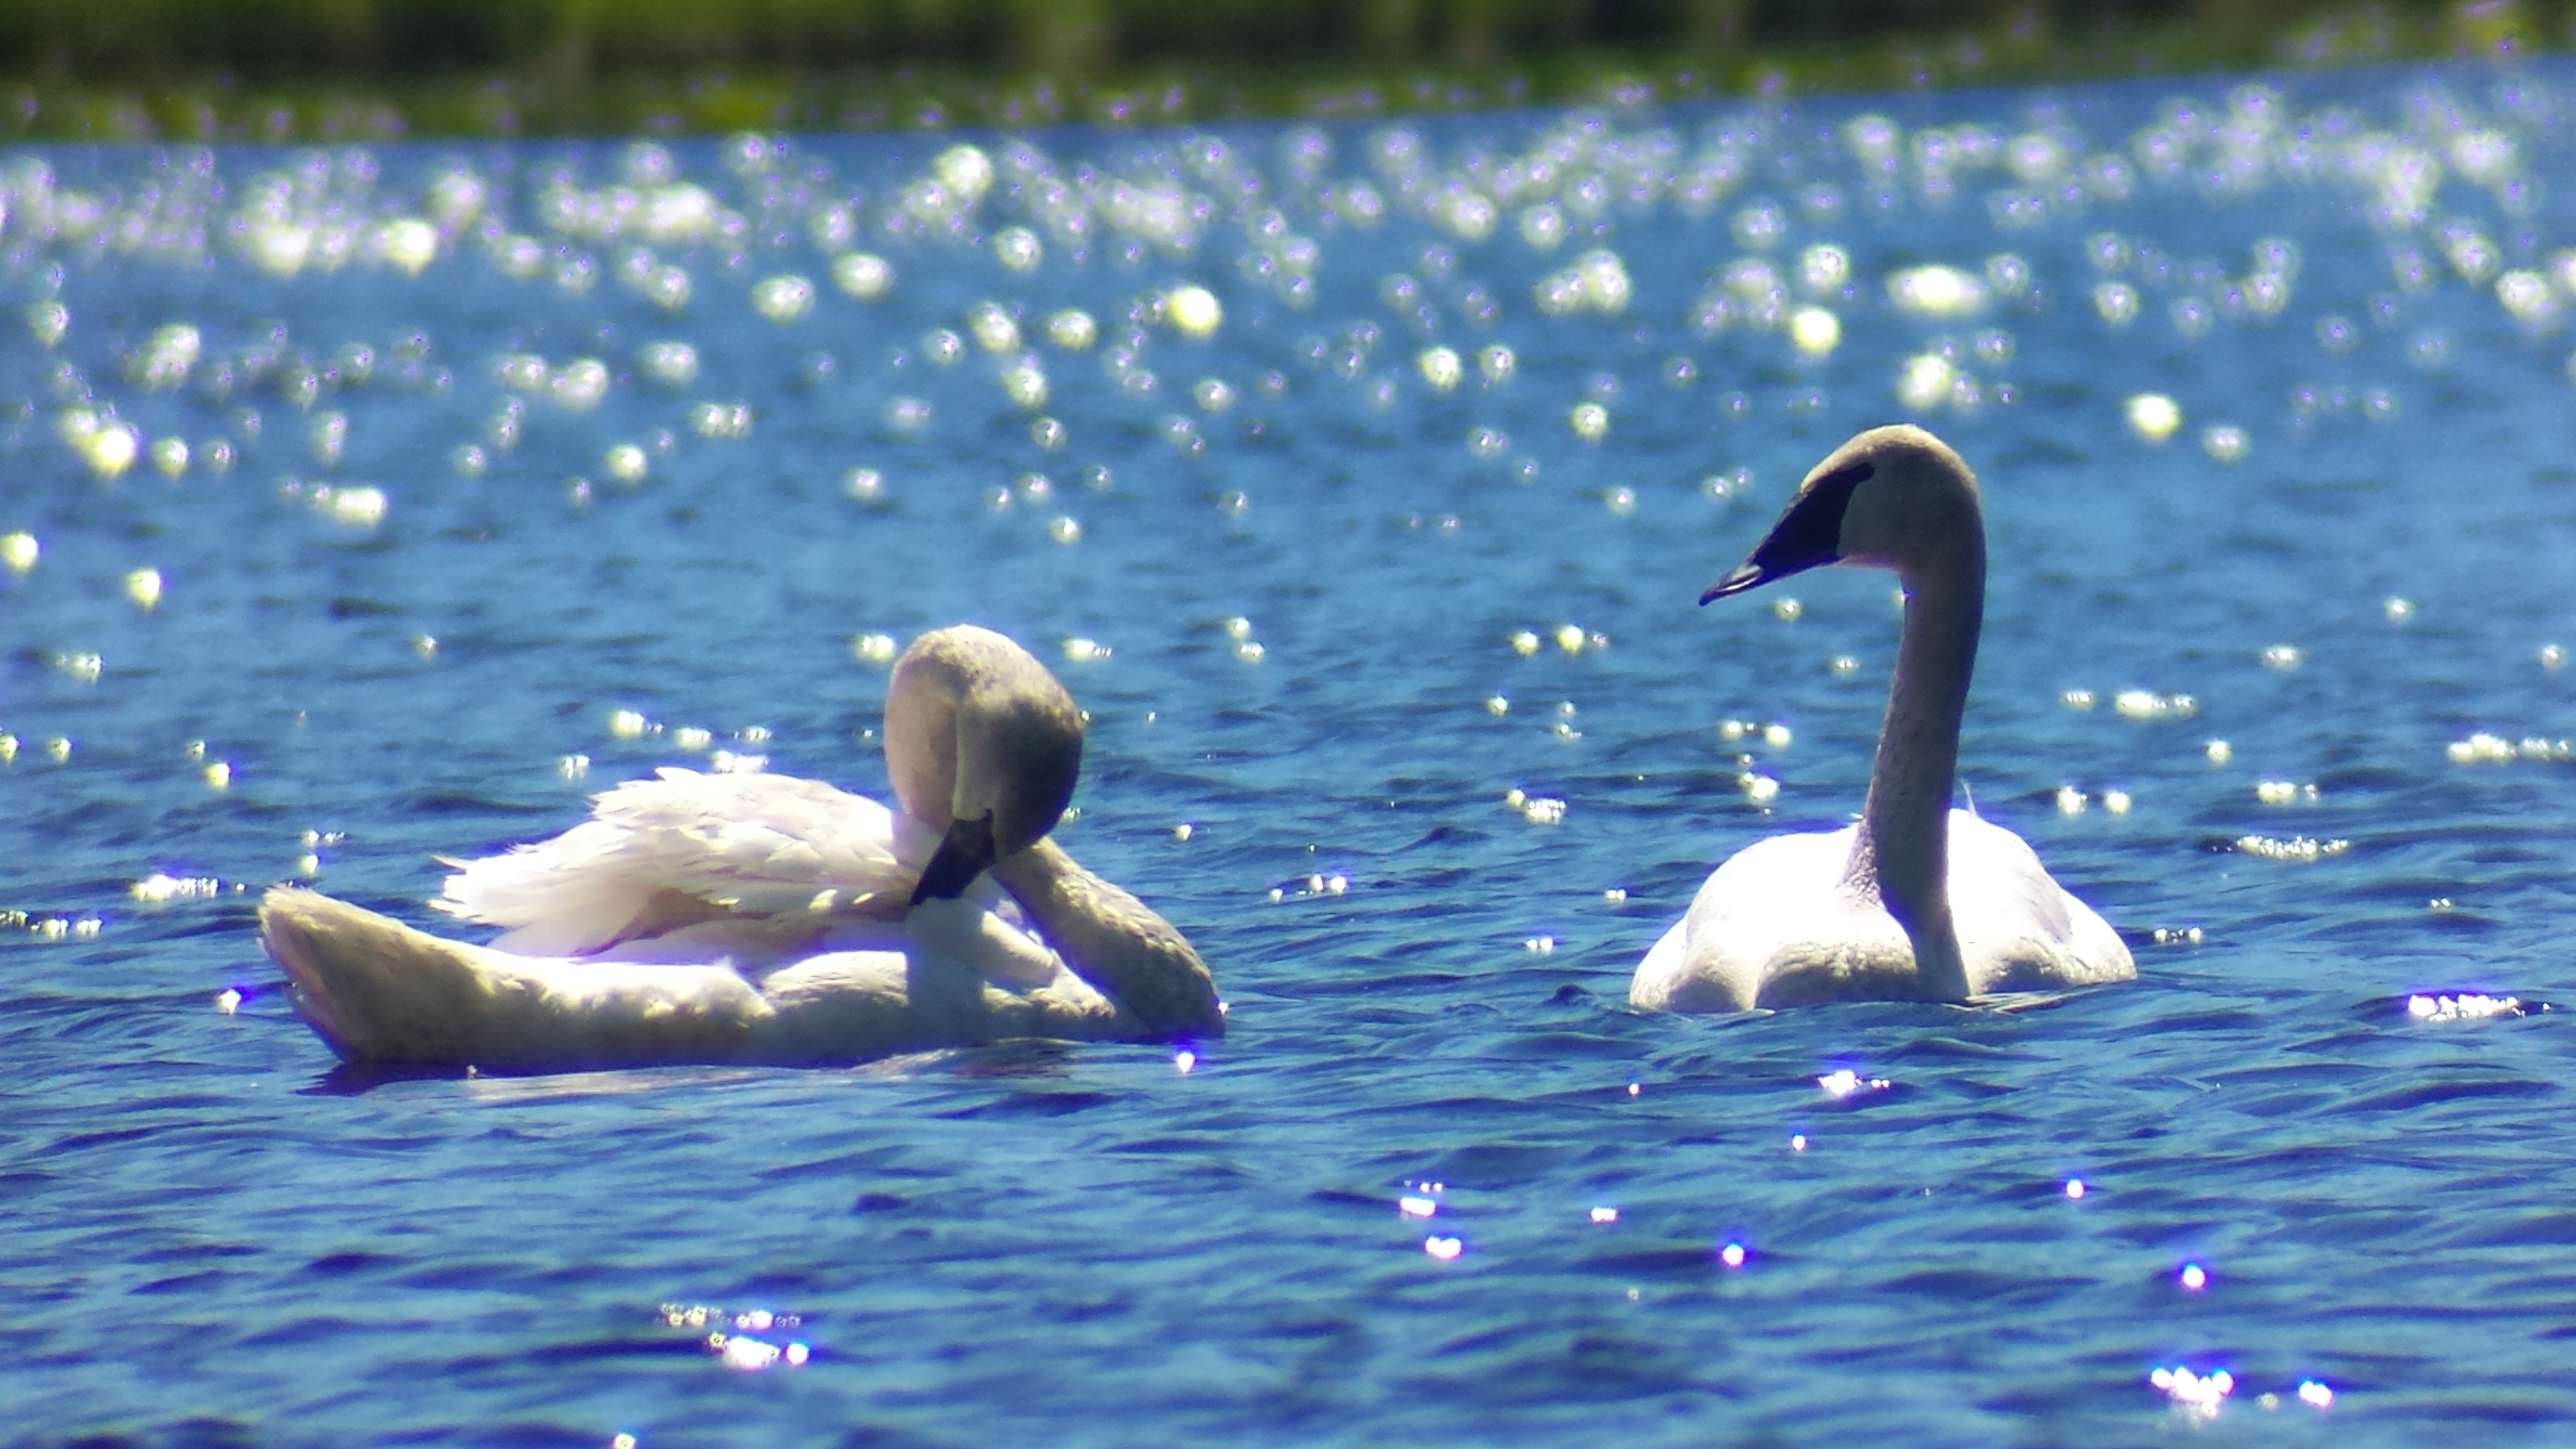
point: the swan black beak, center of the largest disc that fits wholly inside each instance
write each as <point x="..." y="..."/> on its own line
<point x="963" y="854"/>
<point x="1808" y="535"/>
<point x="1747" y="575"/>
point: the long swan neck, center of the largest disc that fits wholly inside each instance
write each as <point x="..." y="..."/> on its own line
<point x="1114" y="941"/>
<point x="1903" y="851"/>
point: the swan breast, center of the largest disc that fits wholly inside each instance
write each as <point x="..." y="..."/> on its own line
<point x="1781" y="924"/>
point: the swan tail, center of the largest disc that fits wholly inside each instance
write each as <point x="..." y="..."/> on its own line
<point x="378" y="991"/>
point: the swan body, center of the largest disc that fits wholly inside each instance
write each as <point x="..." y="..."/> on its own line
<point x="758" y="918"/>
<point x="1778" y="925"/>
<point x="1915" y="900"/>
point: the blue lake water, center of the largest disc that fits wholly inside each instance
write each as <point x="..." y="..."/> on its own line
<point x="513" y="471"/>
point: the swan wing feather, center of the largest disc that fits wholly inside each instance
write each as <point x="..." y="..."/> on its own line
<point x="749" y="845"/>
<point x="2019" y="930"/>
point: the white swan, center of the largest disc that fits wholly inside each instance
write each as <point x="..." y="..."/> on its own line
<point x="755" y="918"/>
<point x="1915" y="901"/>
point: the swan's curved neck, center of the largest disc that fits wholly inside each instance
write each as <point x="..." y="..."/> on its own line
<point x="1902" y="853"/>
<point x="1114" y="941"/>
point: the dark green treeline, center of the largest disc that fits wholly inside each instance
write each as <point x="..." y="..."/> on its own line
<point x="271" y="38"/>
<point x="161" y="67"/>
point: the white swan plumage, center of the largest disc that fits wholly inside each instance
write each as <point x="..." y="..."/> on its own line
<point x="760" y="918"/>
<point x="1915" y="900"/>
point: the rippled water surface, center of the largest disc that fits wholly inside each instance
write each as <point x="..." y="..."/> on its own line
<point x="470" y="480"/>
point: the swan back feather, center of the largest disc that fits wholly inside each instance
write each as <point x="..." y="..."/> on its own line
<point x="683" y="847"/>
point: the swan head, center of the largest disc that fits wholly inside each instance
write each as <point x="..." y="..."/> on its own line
<point x="984" y="745"/>
<point x="1891" y="498"/>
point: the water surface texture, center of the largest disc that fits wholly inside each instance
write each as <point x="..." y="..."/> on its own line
<point x="367" y="505"/>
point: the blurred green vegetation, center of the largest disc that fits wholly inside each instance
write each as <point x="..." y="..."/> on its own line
<point x="287" y="69"/>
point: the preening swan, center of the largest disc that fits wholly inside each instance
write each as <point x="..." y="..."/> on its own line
<point x="1915" y="901"/>
<point x="756" y="918"/>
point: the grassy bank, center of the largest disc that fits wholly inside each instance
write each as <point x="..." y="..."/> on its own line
<point x="332" y="69"/>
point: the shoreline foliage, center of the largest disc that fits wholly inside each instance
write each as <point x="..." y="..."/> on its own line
<point x="303" y="70"/>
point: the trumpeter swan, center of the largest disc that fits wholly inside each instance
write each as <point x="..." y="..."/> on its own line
<point x="756" y="918"/>
<point x="1915" y="900"/>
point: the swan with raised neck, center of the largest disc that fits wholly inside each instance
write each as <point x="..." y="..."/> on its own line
<point x="760" y="918"/>
<point x="1914" y="900"/>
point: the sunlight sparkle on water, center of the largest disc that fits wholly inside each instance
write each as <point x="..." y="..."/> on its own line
<point x="1923" y="383"/>
<point x="1194" y="311"/>
<point x="1072" y="329"/>
<point x="2483" y="748"/>
<point x="1844" y="1082"/>
<point x="1815" y="331"/>
<point x="863" y="275"/>
<point x="2146" y="704"/>
<point x="158" y="888"/>
<point x="1937" y="291"/>
<point x="1018" y="248"/>
<point x="2290" y="848"/>
<point x="2154" y="416"/>
<point x="2465" y="1006"/>
<point x="2194" y="1393"/>
<point x="992" y="327"/>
